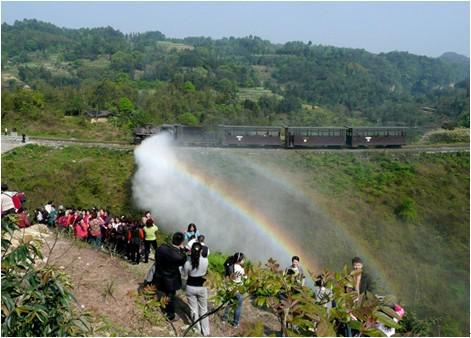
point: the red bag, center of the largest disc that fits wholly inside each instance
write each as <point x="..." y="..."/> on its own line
<point x="17" y="198"/>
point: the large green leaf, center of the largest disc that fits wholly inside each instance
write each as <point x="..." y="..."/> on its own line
<point x="386" y="320"/>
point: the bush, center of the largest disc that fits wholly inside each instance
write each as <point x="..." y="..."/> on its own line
<point x="36" y="301"/>
<point x="407" y="211"/>
<point x="188" y="119"/>
<point x="216" y="262"/>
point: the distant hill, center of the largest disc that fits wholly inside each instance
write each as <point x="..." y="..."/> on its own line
<point x="150" y="78"/>
<point x="455" y="58"/>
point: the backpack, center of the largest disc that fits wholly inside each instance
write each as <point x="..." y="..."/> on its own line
<point x="229" y="266"/>
<point x="135" y="239"/>
<point x="121" y="232"/>
<point x="150" y="275"/>
<point x="18" y="199"/>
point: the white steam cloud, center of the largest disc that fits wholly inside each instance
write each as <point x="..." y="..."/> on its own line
<point x="176" y="199"/>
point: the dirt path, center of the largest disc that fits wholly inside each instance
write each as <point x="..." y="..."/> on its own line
<point x="108" y="287"/>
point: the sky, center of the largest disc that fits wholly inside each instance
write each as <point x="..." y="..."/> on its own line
<point x="423" y="28"/>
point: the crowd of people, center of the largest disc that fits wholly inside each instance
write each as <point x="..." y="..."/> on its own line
<point x="185" y="258"/>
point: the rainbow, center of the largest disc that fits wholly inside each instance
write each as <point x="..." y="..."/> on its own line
<point x="367" y="256"/>
<point x="270" y="229"/>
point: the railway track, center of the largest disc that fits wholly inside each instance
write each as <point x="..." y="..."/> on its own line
<point x="58" y="142"/>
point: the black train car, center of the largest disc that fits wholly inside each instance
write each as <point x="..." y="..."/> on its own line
<point x="376" y="136"/>
<point x="195" y="136"/>
<point x="251" y="136"/>
<point x="311" y="137"/>
<point x="142" y="132"/>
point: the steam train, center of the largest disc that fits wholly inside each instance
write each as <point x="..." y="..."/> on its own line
<point x="277" y="137"/>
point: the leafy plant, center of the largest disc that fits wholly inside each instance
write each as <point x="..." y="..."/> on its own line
<point x="36" y="300"/>
<point x="407" y="210"/>
<point x="108" y="291"/>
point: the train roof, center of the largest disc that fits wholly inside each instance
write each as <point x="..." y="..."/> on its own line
<point x="379" y="127"/>
<point x="252" y="127"/>
<point x="310" y="127"/>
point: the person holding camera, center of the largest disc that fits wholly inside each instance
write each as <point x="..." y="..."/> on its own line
<point x="167" y="277"/>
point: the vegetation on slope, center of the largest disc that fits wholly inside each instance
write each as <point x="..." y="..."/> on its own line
<point x="37" y="298"/>
<point x="410" y="210"/>
<point x="148" y="77"/>
<point x="72" y="176"/>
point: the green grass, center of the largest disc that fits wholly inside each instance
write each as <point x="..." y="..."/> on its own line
<point x="72" y="176"/>
<point x="255" y="93"/>
<point x="70" y="127"/>
<point x="412" y="211"/>
<point x="168" y="46"/>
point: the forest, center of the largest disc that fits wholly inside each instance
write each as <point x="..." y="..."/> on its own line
<point x="51" y="73"/>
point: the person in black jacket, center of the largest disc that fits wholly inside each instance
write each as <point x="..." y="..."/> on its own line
<point x="363" y="281"/>
<point x="167" y="276"/>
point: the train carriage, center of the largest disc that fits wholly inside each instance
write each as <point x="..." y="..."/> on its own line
<point x="142" y="132"/>
<point x="251" y="136"/>
<point x="376" y="136"/>
<point x="195" y="136"/>
<point x="310" y="137"/>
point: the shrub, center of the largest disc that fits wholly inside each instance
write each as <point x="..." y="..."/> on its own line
<point x="36" y="301"/>
<point x="407" y="211"/>
<point x="216" y="262"/>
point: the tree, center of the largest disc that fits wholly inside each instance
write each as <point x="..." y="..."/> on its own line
<point x="189" y="87"/>
<point x="122" y="61"/>
<point x="125" y="105"/>
<point x="188" y="119"/>
<point x="299" y="312"/>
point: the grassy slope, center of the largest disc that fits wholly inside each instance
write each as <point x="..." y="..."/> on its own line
<point x="67" y="127"/>
<point x="422" y="246"/>
<point x="73" y="176"/>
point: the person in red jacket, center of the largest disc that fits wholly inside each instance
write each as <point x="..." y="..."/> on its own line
<point x="135" y="238"/>
<point x="23" y="218"/>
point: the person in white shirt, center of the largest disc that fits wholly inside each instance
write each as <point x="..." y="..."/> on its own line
<point x="197" y="295"/>
<point x="7" y="200"/>
<point x="190" y="243"/>
<point x="48" y="207"/>
<point x="237" y="277"/>
<point x="205" y="250"/>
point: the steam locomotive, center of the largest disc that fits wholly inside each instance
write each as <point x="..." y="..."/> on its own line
<point x="277" y="137"/>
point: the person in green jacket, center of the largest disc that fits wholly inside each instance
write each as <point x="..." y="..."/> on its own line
<point x="150" y="239"/>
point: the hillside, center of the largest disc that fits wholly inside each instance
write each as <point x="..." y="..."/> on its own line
<point x="397" y="210"/>
<point x="119" y="299"/>
<point x="50" y="72"/>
